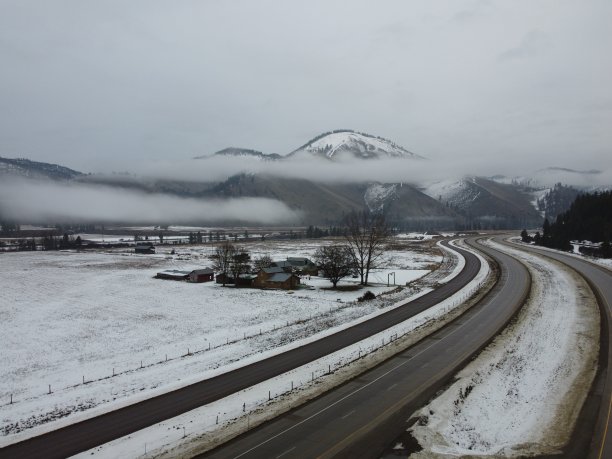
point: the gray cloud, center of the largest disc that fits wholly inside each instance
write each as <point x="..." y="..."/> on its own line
<point x="112" y="85"/>
<point x="28" y="200"/>
<point x="416" y="172"/>
<point x="534" y="43"/>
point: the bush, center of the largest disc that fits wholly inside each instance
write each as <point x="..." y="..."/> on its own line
<point x="367" y="296"/>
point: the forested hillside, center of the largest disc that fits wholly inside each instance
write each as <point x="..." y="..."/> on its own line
<point x="588" y="218"/>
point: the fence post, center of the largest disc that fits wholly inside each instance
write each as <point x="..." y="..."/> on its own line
<point x="49" y="388"/>
<point x="269" y="397"/>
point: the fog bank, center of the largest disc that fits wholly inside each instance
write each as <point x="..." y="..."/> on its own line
<point x="36" y="201"/>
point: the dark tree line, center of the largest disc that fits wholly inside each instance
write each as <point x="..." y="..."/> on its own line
<point x="588" y="218"/>
<point x="50" y="242"/>
<point x="314" y="232"/>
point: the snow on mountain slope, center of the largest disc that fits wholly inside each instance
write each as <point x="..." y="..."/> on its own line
<point x="332" y="145"/>
<point x="457" y="193"/>
<point x="377" y="195"/>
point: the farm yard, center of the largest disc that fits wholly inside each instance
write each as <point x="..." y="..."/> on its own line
<point x="72" y="320"/>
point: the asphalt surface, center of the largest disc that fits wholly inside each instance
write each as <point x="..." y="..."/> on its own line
<point x="87" y="434"/>
<point x="360" y="418"/>
<point x="597" y="438"/>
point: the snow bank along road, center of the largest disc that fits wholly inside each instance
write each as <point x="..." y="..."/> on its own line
<point x="95" y="431"/>
<point x="599" y="402"/>
<point x="361" y="417"/>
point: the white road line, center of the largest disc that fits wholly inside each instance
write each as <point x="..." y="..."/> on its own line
<point x="391" y="387"/>
<point x="348" y="414"/>
<point x="286" y="452"/>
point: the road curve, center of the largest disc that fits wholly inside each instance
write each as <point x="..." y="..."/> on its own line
<point x="599" y="436"/>
<point x="87" y="434"/>
<point x="363" y="416"/>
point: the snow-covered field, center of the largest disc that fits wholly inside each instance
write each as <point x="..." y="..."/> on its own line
<point x="69" y="318"/>
<point x="537" y="373"/>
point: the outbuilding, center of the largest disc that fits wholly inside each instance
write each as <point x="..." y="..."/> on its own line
<point x="173" y="274"/>
<point x="202" y="275"/>
<point x="144" y="248"/>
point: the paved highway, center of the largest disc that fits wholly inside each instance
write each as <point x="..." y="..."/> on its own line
<point x="361" y="417"/>
<point x="598" y="438"/>
<point x="101" y="429"/>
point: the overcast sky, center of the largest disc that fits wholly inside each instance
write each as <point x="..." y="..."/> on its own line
<point x="103" y="85"/>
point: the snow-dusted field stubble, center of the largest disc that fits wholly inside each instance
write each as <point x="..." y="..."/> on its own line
<point x="71" y="317"/>
<point x="523" y="393"/>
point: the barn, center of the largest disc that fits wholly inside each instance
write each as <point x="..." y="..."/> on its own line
<point x="202" y="275"/>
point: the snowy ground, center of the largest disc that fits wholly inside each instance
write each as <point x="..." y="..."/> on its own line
<point x="198" y="430"/>
<point x="522" y="395"/>
<point x="70" y="317"/>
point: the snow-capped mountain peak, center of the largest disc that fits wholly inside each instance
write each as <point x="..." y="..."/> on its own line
<point x="336" y="144"/>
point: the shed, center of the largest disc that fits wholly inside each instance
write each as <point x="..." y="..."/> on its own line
<point x="223" y="278"/>
<point x="141" y="248"/>
<point x="244" y="280"/>
<point x="202" y="275"/>
<point x="173" y="274"/>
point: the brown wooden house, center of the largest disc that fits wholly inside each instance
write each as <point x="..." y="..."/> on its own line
<point x="277" y="278"/>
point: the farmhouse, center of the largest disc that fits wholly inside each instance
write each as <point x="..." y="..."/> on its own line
<point x="284" y="265"/>
<point x="303" y="265"/>
<point x="144" y="248"/>
<point x="202" y="275"/>
<point x="276" y="277"/>
<point x="300" y="265"/>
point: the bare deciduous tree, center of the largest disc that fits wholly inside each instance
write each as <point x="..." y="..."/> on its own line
<point x="240" y="264"/>
<point x="222" y="258"/>
<point x="262" y="262"/>
<point x="366" y="237"/>
<point x="336" y="262"/>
